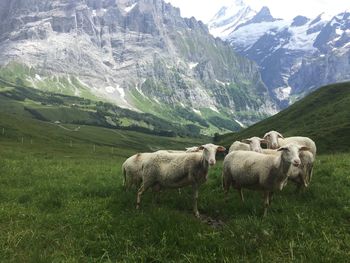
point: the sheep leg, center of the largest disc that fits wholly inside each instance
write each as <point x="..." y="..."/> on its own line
<point x="270" y="197"/>
<point x="241" y="194"/>
<point x="226" y="186"/>
<point x="195" y="197"/>
<point x="266" y="202"/>
<point x="156" y="188"/>
<point x="139" y="193"/>
<point x="298" y="187"/>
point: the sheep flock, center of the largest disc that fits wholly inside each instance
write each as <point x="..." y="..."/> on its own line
<point x="246" y="166"/>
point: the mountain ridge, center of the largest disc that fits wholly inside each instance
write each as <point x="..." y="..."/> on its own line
<point x="295" y="56"/>
<point x="141" y="55"/>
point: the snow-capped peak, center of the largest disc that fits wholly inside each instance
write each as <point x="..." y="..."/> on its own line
<point x="228" y="18"/>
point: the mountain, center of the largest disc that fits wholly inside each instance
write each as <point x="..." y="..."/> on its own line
<point x="294" y="56"/>
<point x="323" y="115"/>
<point x="138" y="54"/>
<point x="228" y="18"/>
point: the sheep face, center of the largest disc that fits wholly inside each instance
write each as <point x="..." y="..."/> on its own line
<point x="254" y="143"/>
<point x="290" y="153"/>
<point x="271" y="138"/>
<point x="209" y="152"/>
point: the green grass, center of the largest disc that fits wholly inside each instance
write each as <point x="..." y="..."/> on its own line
<point x="323" y="115"/>
<point x="66" y="204"/>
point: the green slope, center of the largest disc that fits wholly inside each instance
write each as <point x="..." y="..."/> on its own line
<point x="323" y="115"/>
<point x="66" y="204"/>
<point x="80" y="139"/>
<point x="28" y="83"/>
<point x="47" y="106"/>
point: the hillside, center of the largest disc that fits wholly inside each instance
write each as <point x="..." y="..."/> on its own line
<point x="23" y="133"/>
<point x="53" y="107"/>
<point x="62" y="202"/>
<point x="323" y="115"/>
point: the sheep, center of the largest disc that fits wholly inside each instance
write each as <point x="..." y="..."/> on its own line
<point x="301" y="175"/>
<point x="251" y="144"/>
<point x="258" y="171"/>
<point x="271" y="138"/>
<point x="166" y="170"/>
<point x="132" y="170"/>
<point x="239" y="146"/>
<point x="192" y="149"/>
<point x="275" y="139"/>
<point x="132" y="167"/>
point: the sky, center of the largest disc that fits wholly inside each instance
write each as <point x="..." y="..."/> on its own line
<point x="287" y="9"/>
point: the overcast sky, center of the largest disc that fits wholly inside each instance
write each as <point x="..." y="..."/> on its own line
<point x="205" y="9"/>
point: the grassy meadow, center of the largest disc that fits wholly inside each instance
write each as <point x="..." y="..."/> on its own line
<point x="63" y="203"/>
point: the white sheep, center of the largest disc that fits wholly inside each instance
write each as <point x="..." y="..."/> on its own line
<point x="275" y="140"/>
<point x="258" y="171"/>
<point x="192" y="149"/>
<point x="302" y="174"/>
<point x="165" y="170"/>
<point x="250" y="144"/>
<point x="132" y="170"/>
<point x="239" y="146"/>
<point x="132" y="167"/>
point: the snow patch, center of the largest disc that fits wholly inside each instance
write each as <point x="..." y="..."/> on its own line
<point x="240" y="123"/>
<point x="338" y="31"/>
<point x="246" y="36"/>
<point x="139" y="90"/>
<point x="192" y="65"/>
<point x="197" y="111"/>
<point x="121" y="92"/>
<point x="300" y="40"/>
<point x="82" y="82"/>
<point x="129" y="8"/>
<point x="222" y="83"/>
<point x="110" y="89"/>
<point x="156" y="100"/>
<point x="283" y="93"/>
<point x="213" y="108"/>
<point x="38" y="77"/>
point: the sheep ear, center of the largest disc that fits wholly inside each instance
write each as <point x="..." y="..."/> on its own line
<point x="265" y="135"/>
<point x="281" y="149"/>
<point x="201" y="147"/>
<point x="304" y="148"/>
<point x="263" y="141"/>
<point x="280" y="135"/>
<point x="221" y="149"/>
<point x="248" y="141"/>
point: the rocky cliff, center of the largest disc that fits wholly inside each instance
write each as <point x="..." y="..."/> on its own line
<point x="138" y="54"/>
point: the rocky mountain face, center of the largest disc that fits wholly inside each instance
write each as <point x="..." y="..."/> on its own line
<point x="294" y="56"/>
<point x="138" y="54"/>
